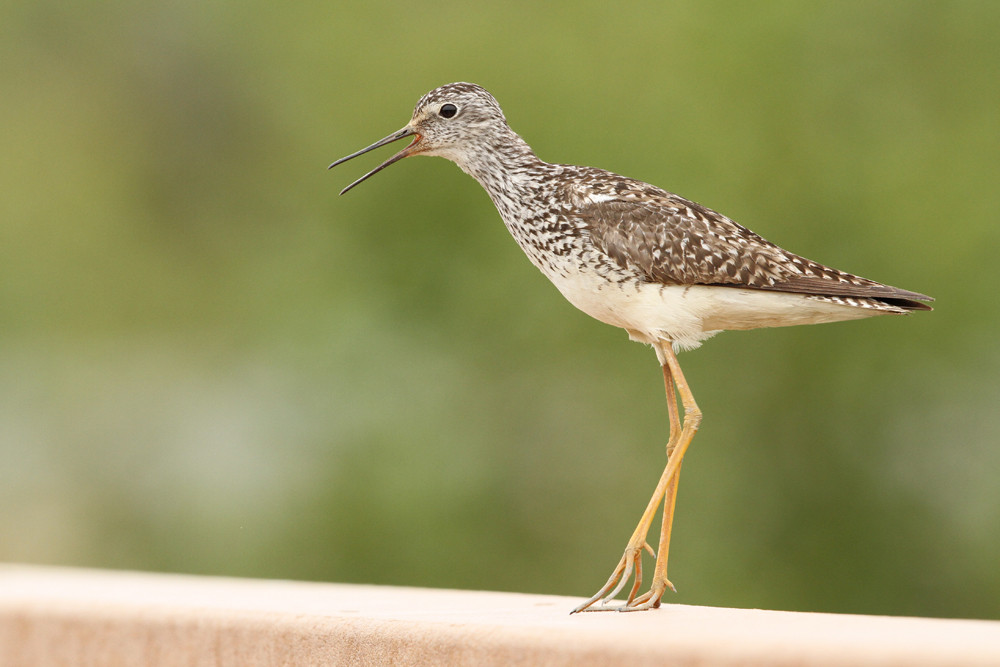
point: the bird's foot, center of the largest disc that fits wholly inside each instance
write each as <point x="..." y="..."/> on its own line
<point x="651" y="598"/>
<point x="631" y="562"/>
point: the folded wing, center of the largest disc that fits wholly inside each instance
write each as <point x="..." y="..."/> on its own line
<point x="674" y="241"/>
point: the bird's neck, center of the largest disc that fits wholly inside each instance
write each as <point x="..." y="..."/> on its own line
<point x="504" y="164"/>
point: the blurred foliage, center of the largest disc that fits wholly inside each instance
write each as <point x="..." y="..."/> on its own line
<point x="211" y="363"/>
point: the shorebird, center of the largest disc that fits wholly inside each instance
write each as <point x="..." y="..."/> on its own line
<point x="671" y="272"/>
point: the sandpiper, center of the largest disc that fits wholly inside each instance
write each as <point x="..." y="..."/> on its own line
<point x="671" y="272"/>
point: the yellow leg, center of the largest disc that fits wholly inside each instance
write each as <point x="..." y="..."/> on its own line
<point x="681" y="434"/>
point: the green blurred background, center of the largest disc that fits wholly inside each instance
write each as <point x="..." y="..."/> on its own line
<point x="211" y="363"/>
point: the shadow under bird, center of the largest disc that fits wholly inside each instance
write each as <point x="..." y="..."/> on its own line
<point x="670" y="272"/>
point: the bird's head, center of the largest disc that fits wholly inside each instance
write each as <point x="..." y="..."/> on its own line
<point x="454" y="121"/>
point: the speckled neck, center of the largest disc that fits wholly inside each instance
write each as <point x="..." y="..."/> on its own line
<point x="503" y="163"/>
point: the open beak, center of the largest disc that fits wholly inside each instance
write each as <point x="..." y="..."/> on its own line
<point x="395" y="136"/>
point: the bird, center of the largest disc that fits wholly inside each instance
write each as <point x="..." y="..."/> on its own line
<point x="670" y="272"/>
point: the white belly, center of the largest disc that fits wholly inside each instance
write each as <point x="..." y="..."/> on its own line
<point x="688" y="315"/>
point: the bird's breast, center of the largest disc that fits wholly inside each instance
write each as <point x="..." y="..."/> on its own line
<point x="554" y="242"/>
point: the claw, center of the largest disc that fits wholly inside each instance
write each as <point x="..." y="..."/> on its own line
<point x="587" y="605"/>
<point x="631" y="561"/>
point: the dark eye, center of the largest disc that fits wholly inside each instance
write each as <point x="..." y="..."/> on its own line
<point x="448" y="110"/>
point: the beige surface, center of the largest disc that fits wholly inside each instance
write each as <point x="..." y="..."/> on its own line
<point x="54" y="616"/>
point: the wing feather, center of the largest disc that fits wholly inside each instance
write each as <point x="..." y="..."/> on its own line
<point x="674" y="241"/>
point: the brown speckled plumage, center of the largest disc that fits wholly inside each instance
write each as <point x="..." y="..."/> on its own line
<point x="668" y="239"/>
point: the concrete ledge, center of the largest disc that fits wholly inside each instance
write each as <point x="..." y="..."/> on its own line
<point x="55" y="616"/>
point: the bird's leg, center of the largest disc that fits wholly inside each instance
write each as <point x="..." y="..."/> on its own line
<point x="681" y="433"/>
<point x="675" y="455"/>
<point x="632" y="558"/>
<point x="669" y="495"/>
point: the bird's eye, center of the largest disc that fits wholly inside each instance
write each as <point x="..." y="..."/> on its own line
<point x="448" y="110"/>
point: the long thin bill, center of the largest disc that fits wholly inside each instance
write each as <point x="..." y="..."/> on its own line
<point x="395" y="136"/>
